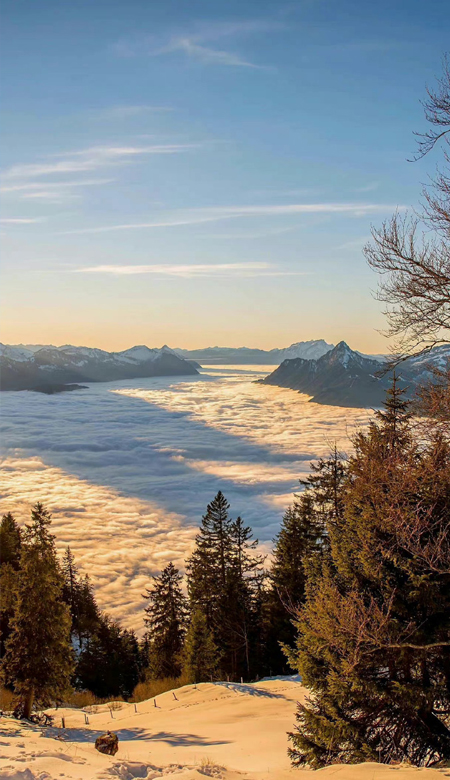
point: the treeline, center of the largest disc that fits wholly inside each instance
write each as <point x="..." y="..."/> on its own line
<point x="225" y="623"/>
<point x="357" y="600"/>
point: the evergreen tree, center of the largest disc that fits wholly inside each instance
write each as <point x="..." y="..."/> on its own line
<point x="108" y="663"/>
<point x="10" y="541"/>
<point x="374" y="633"/>
<point x="165" y="620"/>
<point x="299" y="539"/>
<point x="201" y="656"/>
<point x="38" y="660"/>
<point x="207" y="573"/>
<point x="10" y="545"/>
<point x="224" y="575"/>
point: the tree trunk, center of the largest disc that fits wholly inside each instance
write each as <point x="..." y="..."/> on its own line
<point x="28" y="703"/>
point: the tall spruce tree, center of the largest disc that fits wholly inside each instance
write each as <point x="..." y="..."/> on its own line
<point x="373" y="641"/>
<point x="38" y="661"/>
<point x="165" y="619"/>
<point x="201" y="655"/>
<point x="223" y="575"/>
<point x="207" y="572"/>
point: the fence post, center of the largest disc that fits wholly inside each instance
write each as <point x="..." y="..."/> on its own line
<point x="63" y="723"/>
<point x="135" y="708"/>
<point x="154" y="702"/>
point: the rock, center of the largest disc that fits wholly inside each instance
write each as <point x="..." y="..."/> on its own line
<point x="107" y="743"/>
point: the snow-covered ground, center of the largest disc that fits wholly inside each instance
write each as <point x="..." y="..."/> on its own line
<point x="221" y="730"/>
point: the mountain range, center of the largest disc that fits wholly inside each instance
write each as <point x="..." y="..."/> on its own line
<point x="344" y="377"/>
<point x="309" y="350"/>
<point x="29" y="367"/>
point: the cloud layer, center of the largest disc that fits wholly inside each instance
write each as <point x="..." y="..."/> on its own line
<point x="128" y="468"/>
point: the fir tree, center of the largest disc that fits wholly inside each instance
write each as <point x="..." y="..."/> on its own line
<point x="165" y="620"/>
<point x="374" y="634"/>
<point x="201" y="656"/>
<point x="38" y="660"/>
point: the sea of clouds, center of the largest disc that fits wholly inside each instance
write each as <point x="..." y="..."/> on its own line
<point x="127" y="468"/>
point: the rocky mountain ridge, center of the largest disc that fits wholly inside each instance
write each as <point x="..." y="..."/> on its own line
<point x="28" y="367"/>
<point x="344" y="377"/>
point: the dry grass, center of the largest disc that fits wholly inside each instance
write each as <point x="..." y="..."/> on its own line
<point x="84" y="699"/>
<point x="151" y="688"/>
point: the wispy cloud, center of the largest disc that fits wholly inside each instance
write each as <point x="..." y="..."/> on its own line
<point x="196" y="42"/>
<point x="216" y="214"/>
<point x="20" y="220"/>
<point x="195" y="270"/>
<point x="54" y="191"/>
<point x="206" y="54"/>
<point x="90" y="159"/>
<point x="125" y="112"/>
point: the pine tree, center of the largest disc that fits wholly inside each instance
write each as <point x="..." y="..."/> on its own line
<point x="374" y="634"/>
<point x="165" y="620"/>
<point x="38" y="660"/>
<point x="201" y="655"/>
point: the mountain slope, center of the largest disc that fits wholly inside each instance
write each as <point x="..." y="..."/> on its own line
<point x="22" y="368"/>
<point x="341" y="377"/>
<point x="344" y="377"/>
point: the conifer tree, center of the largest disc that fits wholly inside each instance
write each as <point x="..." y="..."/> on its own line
<point x="224" y="582"/>
<point x="374" y="634"/>
<point x="10" y="541"/>
<point x="108" y="664"/>
<point x="10" y="545"/>
<point x="38" y="660"/>
<point x="299" y="539"/>
<point x="201" y="655"/>
<point x="165" y="620"/>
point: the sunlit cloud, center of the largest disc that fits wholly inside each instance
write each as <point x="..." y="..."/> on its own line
<point x="135" y="463"/>
<point x="219" y="213"/>
<point x="195" y="270"/>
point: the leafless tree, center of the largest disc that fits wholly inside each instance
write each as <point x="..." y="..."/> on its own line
<point x="412" y="253"/>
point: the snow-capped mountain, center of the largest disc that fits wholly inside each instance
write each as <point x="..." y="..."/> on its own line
<point x="344" y="377"/>
<point x="309" y="350"/>
<point x="25" y="367"/>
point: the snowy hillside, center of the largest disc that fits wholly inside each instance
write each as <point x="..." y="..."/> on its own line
<point x="221" y="730"/>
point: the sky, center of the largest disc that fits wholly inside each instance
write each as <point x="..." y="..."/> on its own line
<point x="206" y="173"/>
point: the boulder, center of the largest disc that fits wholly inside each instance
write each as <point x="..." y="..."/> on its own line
<point x="107" y="743"/>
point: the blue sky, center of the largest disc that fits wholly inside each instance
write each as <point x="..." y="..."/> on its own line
<point x="206" y="172"/>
